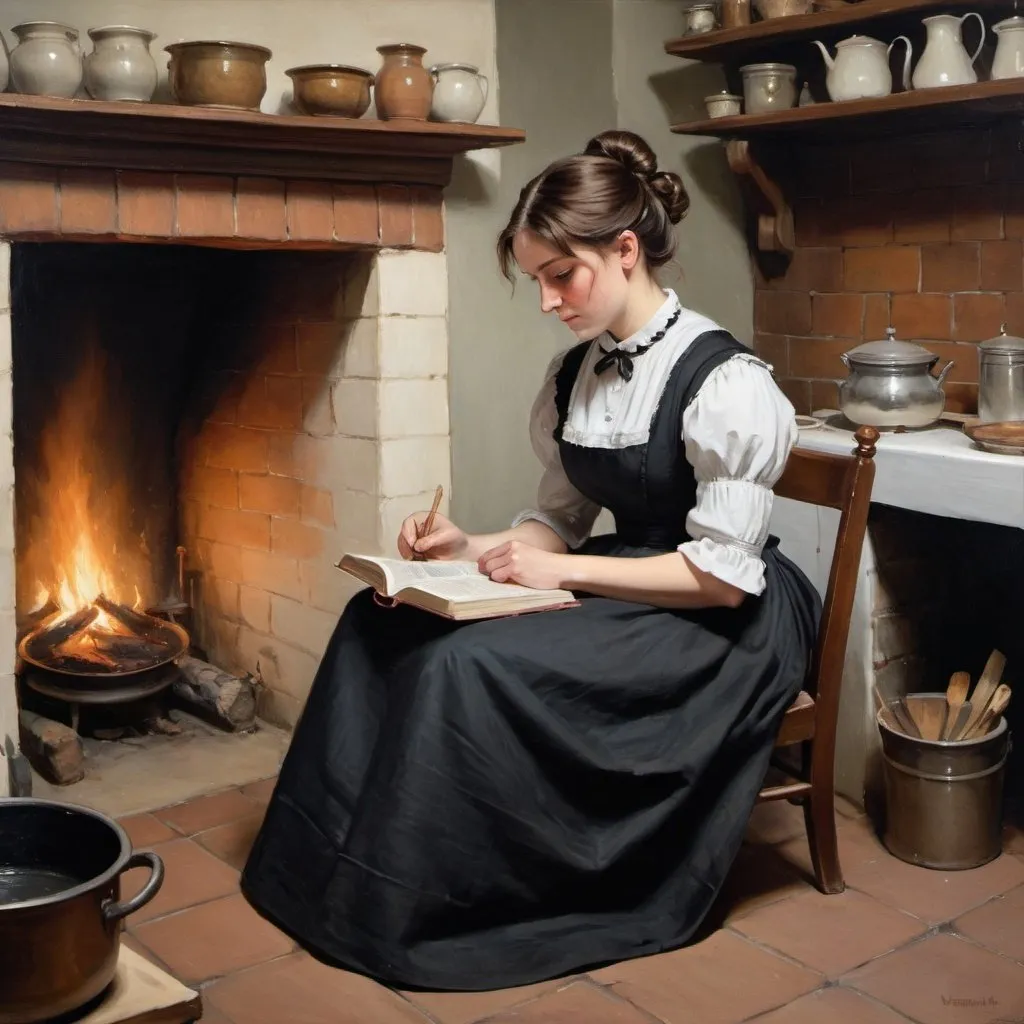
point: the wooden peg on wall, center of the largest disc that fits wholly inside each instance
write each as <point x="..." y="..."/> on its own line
<point x="774" y="216"/>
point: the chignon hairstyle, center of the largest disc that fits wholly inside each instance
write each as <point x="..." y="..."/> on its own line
<point x="589" y="199"/>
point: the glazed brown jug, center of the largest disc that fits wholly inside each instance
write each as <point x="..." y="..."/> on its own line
<point x="403" y="87"/>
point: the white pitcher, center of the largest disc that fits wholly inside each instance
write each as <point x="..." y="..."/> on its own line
<point x="945" y="60"/>
<point x="1009" y="59"/>
<point x="460" y="92"/>
<point x="860" y="69"/>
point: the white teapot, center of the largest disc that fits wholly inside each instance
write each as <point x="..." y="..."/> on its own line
<point x="1009" y="59"/>
<point x="860" y="69"/>
<point x="945" y="60"/>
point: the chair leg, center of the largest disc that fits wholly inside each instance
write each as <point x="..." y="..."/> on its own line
<point x="820" y="821"/>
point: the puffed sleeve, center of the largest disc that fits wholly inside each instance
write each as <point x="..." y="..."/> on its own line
<point x="738" y="433"/>
<point x="559" y="505"/>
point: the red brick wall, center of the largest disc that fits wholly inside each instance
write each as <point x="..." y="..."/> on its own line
<point x="921" y="233"/>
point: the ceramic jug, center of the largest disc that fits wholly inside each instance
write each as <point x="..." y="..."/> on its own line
<point x="5" y="64"/>
<point x="403" y="87"/>
<point x="120" y="66"/>
<point x="945" y="60"/>
<point x="860" y="69"/>
<point x="460" y="92"/>
<point x="1008" y="61"/>
<point x="47" y="60"/>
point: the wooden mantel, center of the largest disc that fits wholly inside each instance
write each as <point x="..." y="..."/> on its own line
<point x="176" y="139"/>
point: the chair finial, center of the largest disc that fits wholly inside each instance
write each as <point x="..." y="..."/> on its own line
<point x="867" y="438"/>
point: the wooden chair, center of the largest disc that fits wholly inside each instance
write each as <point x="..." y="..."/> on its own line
<point x="841" y="482"/>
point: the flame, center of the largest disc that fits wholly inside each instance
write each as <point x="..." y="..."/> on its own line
<point x="81" y="544"/>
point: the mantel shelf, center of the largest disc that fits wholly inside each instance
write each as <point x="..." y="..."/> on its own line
<point x="775" y="38"/>
<point x="176" y="139"/>
<point x="914" y="111"/>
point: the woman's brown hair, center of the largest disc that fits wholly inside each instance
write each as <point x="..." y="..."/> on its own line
<point x="589" y="199"/>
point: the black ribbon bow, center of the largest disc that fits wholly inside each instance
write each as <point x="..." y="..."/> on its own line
<point x="623" y="361"/>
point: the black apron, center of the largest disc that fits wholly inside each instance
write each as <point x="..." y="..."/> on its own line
<point x="484" y="805"/>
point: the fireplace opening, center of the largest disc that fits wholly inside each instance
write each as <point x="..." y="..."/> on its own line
<point x="165" y="402"/>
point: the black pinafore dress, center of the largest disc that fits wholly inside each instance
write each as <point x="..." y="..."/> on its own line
<point x="483" y="805"/>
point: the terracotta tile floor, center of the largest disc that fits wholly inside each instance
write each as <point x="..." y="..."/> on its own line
<point x="901" y="944"/>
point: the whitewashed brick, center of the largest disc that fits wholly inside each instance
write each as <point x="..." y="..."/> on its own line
<point x="394" y="512"/>
<point x="278" y="664"/>
<point x="413" y="283"/>
<point x="254" y="607"/>
<point x="362" y="287"/>
<point x="357" y="515"/>
<point x="6" y="356"/>
<point x="413" y="465"/>
<point x="413" y="407"/>
<point x="5" y="276"/>
<point x="272" y="573"/>
<point x="309" y="629"/>
<point x="358" y="356"/>
<point x="352" y="466"/>
<point x="318" y="412"/>
<point x="278" y="709"/>
<point x="413" y="346"/>
<point x="8" y="641"/>
<point x="7" y="578"/>
<point x="356" y="407"/>
<point x="328" y="588"/>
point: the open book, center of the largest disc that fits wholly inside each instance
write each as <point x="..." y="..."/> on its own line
<point x="454" y="590"/>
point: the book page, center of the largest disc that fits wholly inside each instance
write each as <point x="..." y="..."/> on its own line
<point x="476" y="588"/>
<point x="401" y="574"/>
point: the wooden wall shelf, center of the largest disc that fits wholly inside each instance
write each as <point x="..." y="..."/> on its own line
<point x="777" y="37"/>
<point x="165" y="137"/>
<point x="914" y="111"/>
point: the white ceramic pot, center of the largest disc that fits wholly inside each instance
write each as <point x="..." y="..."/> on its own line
<point x="5" y="64"/>
<point x="860" y="69"/>
<point x="460" y="92"/>
<point x="723" y="104"/>
<point x="768" y="87"/>
<point x="120" y="66"/>
<point x="47" y="60"/>
<point x="1009" y="58"/>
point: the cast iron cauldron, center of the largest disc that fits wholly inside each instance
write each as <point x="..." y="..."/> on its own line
<point x="60" y="909"/>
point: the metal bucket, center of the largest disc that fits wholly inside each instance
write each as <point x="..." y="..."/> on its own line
<point x="944" y="799"/>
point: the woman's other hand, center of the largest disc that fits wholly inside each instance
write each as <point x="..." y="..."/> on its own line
<point x="516" y="562"/>
<point x="444" y="542"/>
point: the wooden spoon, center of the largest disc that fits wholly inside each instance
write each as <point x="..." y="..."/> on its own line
<point x="956" y="694"/>
<point x="895" y="714"/>
<point x="1000" y="699"/>
<point x="930" y="717"/>
<point x="984" y="691"/>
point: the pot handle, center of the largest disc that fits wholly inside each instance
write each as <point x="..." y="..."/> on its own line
<point x="945" y="370"/>
<point x="115" y="911"/>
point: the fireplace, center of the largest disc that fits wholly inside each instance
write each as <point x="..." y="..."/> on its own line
<point x="228" y="336"/>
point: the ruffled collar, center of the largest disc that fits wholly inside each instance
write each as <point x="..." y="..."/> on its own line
<point x="643" y="336"/>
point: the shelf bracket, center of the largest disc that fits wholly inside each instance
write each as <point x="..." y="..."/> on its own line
<point x="774" y="216"/>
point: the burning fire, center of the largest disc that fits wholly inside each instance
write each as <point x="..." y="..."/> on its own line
<point x="81" y="545"/>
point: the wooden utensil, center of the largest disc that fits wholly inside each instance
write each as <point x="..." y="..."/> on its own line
<point x="930" y="717"/>
<point x="886" y="712"/>
<point x="996" y="706"/>
<point x="956" y="694"/>
<point x="983" y="692"/>
<point x="901" y="713"/>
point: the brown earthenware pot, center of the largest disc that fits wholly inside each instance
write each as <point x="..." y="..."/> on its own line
<point x="332" y="90"/>
<point x="403" y="86"/>
<point x="218" y="74"/>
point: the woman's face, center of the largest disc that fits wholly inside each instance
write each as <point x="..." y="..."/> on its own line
<point x="587" y="292"/>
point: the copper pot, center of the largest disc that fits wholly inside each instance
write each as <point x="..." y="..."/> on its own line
<point x="218" y="74"/>
<point x="60" y="909"/>
<point x="330" y="90"/>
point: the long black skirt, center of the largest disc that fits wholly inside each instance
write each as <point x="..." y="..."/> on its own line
<point x="489" y="804"/>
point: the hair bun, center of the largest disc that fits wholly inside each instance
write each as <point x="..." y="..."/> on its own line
<point x="633" y="152"/>
<point x="669" y="188"/>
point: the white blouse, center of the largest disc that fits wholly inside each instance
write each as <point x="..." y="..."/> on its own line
<point x="737" y="431"/>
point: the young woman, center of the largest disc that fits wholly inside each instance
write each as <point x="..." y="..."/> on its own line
<point x="493" y="803"/>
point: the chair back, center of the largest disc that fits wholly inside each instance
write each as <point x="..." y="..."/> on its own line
<point x="841" y="482"/>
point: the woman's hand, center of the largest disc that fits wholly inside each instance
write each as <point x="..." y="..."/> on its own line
<point x="516" y="562"/>
<point x="445" y="541"/>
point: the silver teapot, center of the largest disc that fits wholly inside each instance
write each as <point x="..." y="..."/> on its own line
<point x="891" y="384"/>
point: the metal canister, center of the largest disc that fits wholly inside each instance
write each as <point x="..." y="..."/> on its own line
<point x="944" y="798"/>
<point x="1001" y="379"/>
